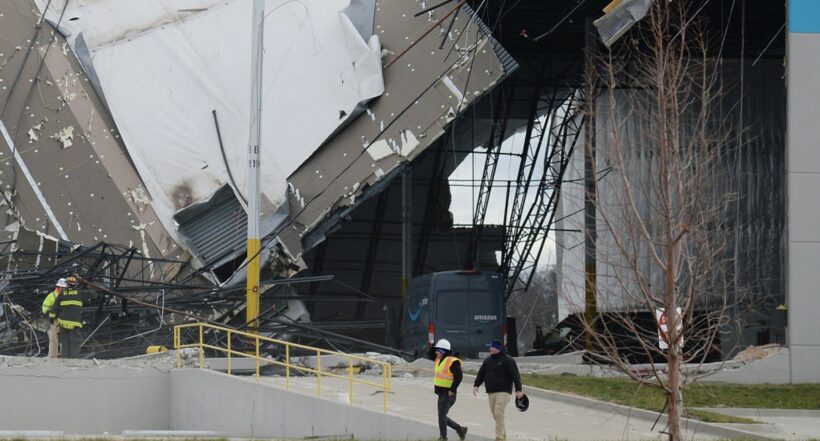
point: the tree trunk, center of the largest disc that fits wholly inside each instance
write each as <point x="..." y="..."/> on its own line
<point x="673" y="393"/>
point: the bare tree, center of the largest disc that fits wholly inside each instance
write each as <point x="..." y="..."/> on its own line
<point x="661" y="238"/>
<point x="535" y="307"/>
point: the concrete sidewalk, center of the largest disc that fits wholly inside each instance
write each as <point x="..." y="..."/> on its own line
<point x="778" y="423"/>
<point x="546" y="419"/>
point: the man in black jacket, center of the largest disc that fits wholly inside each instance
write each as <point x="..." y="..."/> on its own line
<point x="447" y="378"/>
<point x="499" y="373"/>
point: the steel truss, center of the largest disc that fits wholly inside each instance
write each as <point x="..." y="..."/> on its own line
<point x="560" y="130"/>
<point x="498" y="133"/>
<point x="133" y="301"/>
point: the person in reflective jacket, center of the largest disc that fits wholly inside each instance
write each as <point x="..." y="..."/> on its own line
<point x="49" y="310"/>
<point x="447" y="378"/>
<point x="69" y="310"/>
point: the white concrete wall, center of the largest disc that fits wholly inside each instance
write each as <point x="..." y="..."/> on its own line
<point x="85" y="397"/>
<point x="770" y="370"/>
<point x="803" y="199"/>
<point x="81" y="397"/>
<point x="240" y="407"/>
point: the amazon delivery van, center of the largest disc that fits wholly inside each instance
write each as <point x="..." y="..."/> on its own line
<point x="465" y="307"/>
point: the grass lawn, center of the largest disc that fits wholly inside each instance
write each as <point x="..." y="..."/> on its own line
<point x="626" y="392"/>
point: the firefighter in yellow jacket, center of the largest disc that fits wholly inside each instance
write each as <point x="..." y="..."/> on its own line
<point x="447" y="378"/>
<point x="49" y="309"/>
<point x="69" y="309"/>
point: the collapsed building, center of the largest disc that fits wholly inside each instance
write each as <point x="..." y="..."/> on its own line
<point x="126" y="138"/>
<point x="131" y="129"/>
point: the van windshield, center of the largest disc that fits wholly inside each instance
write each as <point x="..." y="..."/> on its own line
<point x="453" y="308"/>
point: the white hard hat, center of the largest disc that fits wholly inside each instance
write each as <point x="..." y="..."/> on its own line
<point x="62" y="283"/>
<point x="442" y="344"/>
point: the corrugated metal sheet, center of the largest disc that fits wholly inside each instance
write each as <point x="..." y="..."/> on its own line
<point x="214" y="230"/>
<point x="507" y="61"/>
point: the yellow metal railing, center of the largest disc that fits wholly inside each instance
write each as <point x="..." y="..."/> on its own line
<point x="289" y="347"/>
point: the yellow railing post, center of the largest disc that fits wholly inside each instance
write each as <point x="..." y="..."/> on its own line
<point x="318" y="373"/>
<point x="287" y="366"/>
<point x="257" y="358"/>
<point x="229" y="353"/>
<point x="201" y="349"/>
<point x="350" y="379"/>
<point x="386" y="373"/>
<point x="177" y="344"/>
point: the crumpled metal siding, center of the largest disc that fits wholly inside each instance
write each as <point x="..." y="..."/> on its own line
<point x="507" y="62"/>
<point x="427" y="86"/>
<point x="216" y="229"/>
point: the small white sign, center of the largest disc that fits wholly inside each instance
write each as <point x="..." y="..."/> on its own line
<point x="663" y="328"/>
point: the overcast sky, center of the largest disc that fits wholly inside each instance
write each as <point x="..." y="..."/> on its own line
<point x="465" y="194"/>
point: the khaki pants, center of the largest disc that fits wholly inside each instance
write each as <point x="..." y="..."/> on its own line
<point x="498" y="404"/>
<point x="54" y="341"/>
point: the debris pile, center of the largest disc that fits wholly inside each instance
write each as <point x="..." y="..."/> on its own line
<point x="754" y="353"/>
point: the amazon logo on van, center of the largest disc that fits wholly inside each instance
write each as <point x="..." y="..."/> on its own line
<point x="414" y="315"/>
<point x="484" y="318"/>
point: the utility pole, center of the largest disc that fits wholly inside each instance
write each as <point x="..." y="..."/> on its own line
<point x="406" y="229"/>
<point x="590" y="191"/>
<point x="254" y="242"/>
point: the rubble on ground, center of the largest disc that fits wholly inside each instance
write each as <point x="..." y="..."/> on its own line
<point x="340" y="363"/>
<point x="163" y="361"/>
<point x="754" y="353"/>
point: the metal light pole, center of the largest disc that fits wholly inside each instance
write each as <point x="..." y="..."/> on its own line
<point x="406" y="229"/>
<point x="254" y="242"/>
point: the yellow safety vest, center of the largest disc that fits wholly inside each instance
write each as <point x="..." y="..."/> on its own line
<point x="444" y="377"/>
<point x="48" y="304"/>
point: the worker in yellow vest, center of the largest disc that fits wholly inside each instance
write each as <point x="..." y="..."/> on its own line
<point x="447" y="378"/>
<point x="69" y="311"/>
<point x="49" y="310"/>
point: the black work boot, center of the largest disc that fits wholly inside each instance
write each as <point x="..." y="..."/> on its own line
<point x="462" y="433"/>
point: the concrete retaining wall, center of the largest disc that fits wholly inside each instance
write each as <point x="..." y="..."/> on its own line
<point x="87" y="397"/>
<point x="81" y="396"/>
<point x="240" y="407"/>
<point x="773" y="369"/>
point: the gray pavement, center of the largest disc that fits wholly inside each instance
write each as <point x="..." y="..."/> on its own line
<point x="546" y="419"/>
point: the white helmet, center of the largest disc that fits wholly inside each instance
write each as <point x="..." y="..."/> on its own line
<point x="62" y="283"/>
<point x="443" y="344"/>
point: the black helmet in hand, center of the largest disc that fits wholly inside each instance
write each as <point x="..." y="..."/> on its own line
<point x="522" y="403"/>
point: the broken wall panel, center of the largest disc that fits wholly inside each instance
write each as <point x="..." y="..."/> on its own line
<point x="310" y="92"/>
<point x="430" y="77"/>
<point x="165" y="66"/>
<point x="67" y="148"/>
<point x="214" y="229"/>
